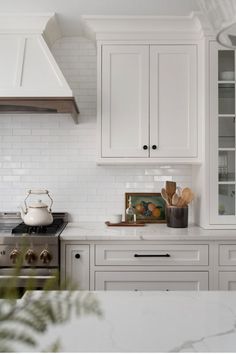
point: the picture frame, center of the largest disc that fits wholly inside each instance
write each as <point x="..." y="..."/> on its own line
<point x="149" y="207"/>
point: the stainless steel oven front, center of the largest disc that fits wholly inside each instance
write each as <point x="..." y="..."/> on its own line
<point x="27" y="278"/>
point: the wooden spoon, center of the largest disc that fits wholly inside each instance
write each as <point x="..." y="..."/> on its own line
<point x="178" y="191"/>
<point x="170" y="189"/>
<point x="186" y="198"/>
<point x="165" y="196"/>
<point x="175" y="199"/>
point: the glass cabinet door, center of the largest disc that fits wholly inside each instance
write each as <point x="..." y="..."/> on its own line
<point x="226" y="133"/>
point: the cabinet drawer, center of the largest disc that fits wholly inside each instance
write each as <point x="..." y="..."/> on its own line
<point x="227" y="281"/>
<point x="151" y="281"/>
<point x="151" y="255"/>
<point x="227" y="255"/>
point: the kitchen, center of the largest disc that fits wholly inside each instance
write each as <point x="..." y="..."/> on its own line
<point x="71" y="130"/>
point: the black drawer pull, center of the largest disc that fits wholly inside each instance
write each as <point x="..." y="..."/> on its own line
<point x="151" y="255"/>
<point x="77" y="255"/>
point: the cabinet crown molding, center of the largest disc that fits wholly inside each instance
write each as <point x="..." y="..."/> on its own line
<point x="101" y="28"/>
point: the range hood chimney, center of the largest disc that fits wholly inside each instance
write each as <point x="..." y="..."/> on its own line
<point x="30" y="79"/>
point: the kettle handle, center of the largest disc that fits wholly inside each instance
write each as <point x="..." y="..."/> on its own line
<point x="50" y="208"/>
<point x="38" y="191"/>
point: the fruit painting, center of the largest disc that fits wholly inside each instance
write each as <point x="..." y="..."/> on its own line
<point x="149" y="207"/>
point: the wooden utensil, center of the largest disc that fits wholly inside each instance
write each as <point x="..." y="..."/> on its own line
<point x="170" y="190"/>
<point x="175" y="199"/>
<point x="186" y="197"/>
<point x="178" y="191"/>
<point x="165" y="196"/>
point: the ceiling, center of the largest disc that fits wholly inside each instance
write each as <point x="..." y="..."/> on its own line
<point x="69" y="11"/>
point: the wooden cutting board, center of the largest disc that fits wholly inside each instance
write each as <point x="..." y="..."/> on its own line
<point x="124" y="223"/>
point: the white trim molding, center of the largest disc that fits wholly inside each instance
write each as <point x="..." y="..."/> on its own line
<point x="142" y="27"/>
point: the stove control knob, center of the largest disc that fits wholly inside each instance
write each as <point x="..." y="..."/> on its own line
<point x="14" y="255"/>
<point x="30" y="256"/>
<point x="45" y="256"/>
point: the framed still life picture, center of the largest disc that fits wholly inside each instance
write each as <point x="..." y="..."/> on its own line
<point x="149" y="207"/>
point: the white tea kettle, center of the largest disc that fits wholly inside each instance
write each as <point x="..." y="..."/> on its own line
<point x="37" y="213"/>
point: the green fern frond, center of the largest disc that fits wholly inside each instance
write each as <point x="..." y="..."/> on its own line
<point x="5" y="348"/>
<point x="28" y="323"/>
<point x="8" y="334"/>
<point x="35" y="315"/>
<point x="54" y="348"/>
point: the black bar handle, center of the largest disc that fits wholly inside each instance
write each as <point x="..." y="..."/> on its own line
<point x="151" y="255"/>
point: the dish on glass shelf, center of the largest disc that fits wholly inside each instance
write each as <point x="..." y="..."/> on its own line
<point x="227" y="75"/>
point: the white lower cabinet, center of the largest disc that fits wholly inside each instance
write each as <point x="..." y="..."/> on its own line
<point x="151" y="281"/>
<point x="149" y="265"/>
<point x="77" y="266"/>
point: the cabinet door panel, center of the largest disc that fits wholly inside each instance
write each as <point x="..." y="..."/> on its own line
<point x="151" y="281"/>
<point x="227" y="255"/>
<point x="227" y="281"/>
<point x="77" y="265"/>
<point x="125" y="100"/>
<point x="173" y="100"/>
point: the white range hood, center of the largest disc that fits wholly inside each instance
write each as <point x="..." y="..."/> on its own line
<point x="30" y="79"/>
<point x="221" y="15"/>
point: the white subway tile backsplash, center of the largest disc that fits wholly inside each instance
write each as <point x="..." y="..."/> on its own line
<point x="50" y="151"/>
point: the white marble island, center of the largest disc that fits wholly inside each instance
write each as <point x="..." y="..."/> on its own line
<point x="152" y="322"/>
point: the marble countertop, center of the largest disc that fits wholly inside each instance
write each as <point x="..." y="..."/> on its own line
<point x="152" y="322"/>
<point x="99" y="231"/>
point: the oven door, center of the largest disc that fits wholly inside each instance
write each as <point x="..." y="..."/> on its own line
<point x="27" y="279"/>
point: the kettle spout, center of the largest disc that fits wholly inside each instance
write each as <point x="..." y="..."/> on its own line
<point x="22" y="213"/>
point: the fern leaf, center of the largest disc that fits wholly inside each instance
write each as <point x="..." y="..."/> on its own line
<point x="5" y="348"/>
<point x="8" y="334"/>
<point x="35" y="315"/>
<point x="54" y="348"/>
<point x="29" y="323"/>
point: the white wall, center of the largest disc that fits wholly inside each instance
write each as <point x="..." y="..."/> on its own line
<point x="50" y="151"/>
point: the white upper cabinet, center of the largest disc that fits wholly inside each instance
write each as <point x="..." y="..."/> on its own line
<point x="125" y="100"/>
<point x="147" y="103"/>
<point x="173" y="101"/>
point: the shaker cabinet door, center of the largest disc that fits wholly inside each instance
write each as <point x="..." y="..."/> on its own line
<point x="173" y="101"/>
<point x="77" y="266"/>
<point x="125" y="101"/>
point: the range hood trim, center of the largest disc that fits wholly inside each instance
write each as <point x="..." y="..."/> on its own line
<point x="39" y="105"/>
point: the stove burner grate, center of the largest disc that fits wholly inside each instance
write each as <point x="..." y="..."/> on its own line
<point x="39" y="230"/>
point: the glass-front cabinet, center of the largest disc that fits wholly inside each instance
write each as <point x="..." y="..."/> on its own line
<point x="222" y="135"/>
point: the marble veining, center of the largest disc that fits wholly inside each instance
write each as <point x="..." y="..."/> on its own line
<point x="99" y="231"/>
<point x="152" y="321"/>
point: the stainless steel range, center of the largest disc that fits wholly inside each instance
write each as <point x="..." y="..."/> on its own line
<point x="38" y="248"/>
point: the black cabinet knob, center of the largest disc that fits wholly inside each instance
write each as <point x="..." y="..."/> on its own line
<point x="154" y="147"/>
<point x="77" y="255"/>
<point x="145" y="147"/>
